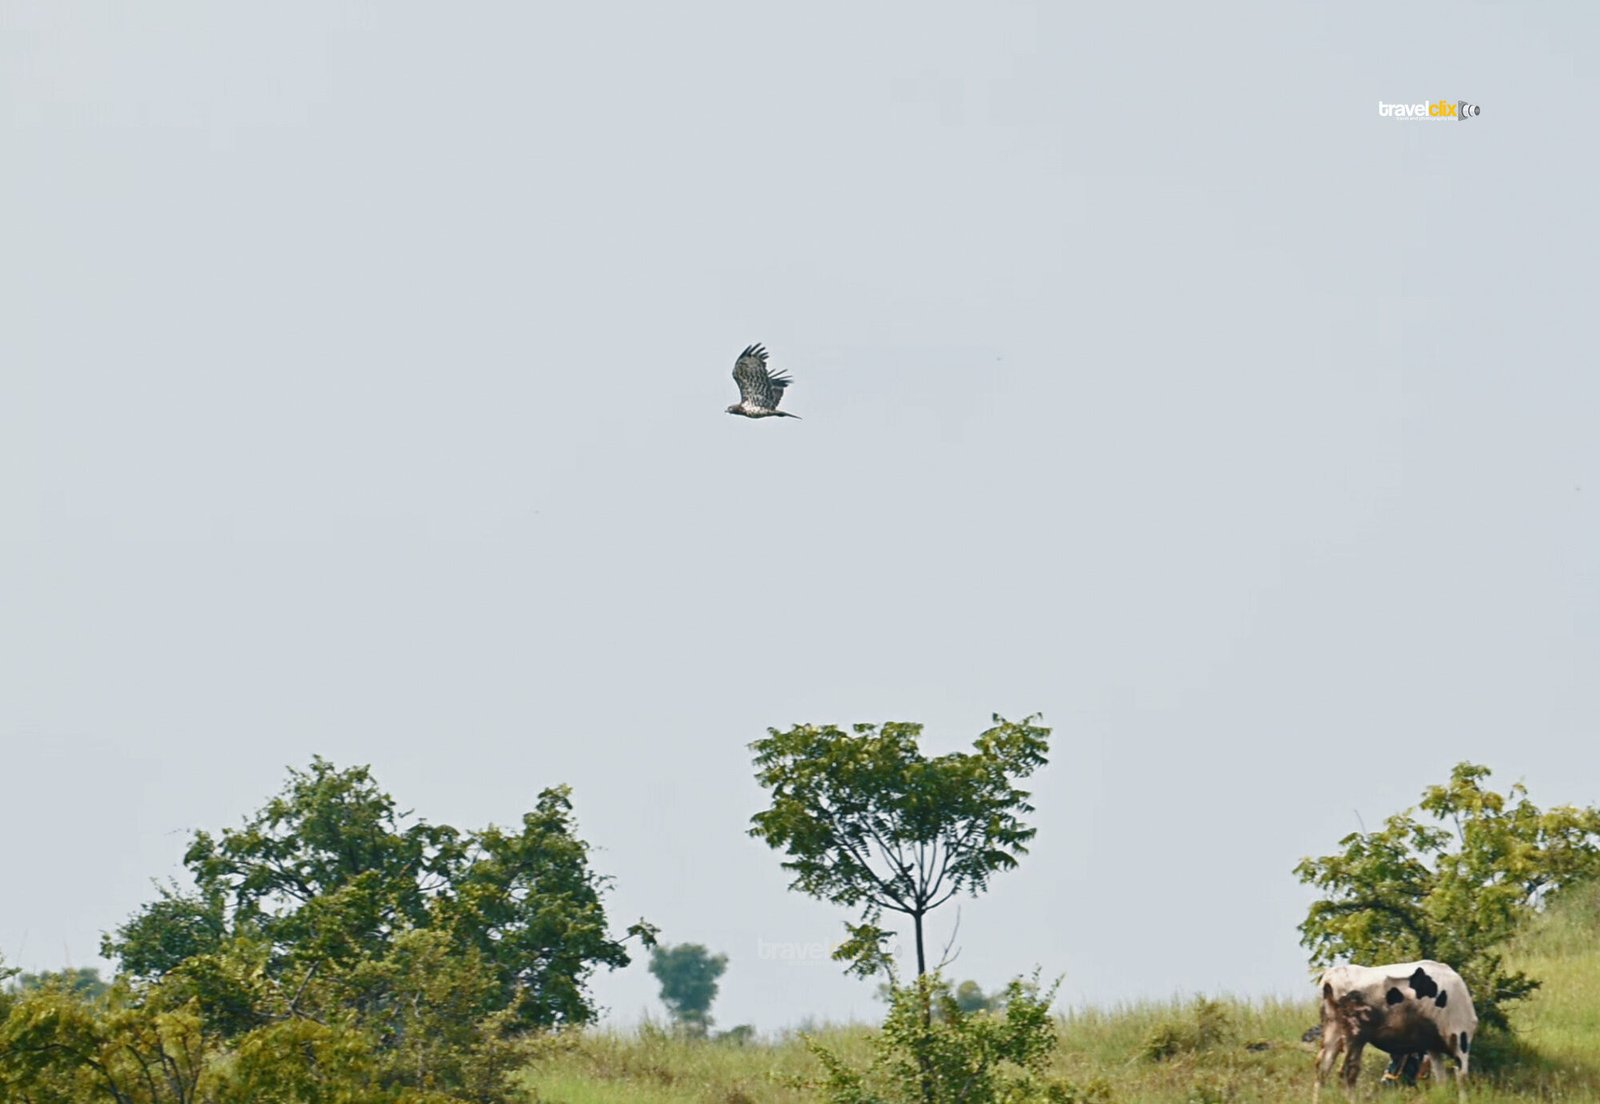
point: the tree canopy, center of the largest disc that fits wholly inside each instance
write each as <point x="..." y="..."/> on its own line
<point x="326" y="876"/>
<point x="1453" y="886"/>
<point x="870" y="823"/>
<point x="688" y="975"/>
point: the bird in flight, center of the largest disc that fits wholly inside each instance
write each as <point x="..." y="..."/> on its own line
<point x="760" y="389"/>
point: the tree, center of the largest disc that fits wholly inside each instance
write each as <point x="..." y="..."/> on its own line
<point x="688" y="974"/>
<point x="85" y="981"/>
<point x="298" y="907"/>
<point x="176" y="926"/>
<point x="532" y="907"/>
<point x="1454" y="889"/>
<point x="331" y="948"/>
<point x="870" y="823"/>
<point x="969" y="997"/>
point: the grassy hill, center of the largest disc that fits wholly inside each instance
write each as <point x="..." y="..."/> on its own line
<point x="1252" y="1050"/>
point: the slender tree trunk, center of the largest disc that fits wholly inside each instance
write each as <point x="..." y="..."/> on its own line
<point x="922" y="959"/>
<point x="927" y="1012"/>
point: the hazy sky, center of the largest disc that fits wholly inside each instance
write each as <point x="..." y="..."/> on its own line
<point x="362" y="375"/>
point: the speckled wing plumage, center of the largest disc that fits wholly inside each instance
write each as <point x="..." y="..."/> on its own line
<point x="759" y="387"/>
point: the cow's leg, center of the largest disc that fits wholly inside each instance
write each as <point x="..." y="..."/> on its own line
<point x="1351" y="1073"/>
<point x="1327" y="1054"/>
<point x="1460" y="1071"/>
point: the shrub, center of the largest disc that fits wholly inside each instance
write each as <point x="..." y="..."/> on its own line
<point x="930" y="1049"/>
<point x="1207" y="1025"/>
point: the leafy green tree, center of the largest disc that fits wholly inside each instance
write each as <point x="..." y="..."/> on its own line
<point x="870" y="823"/>
<point x="688" y="975"/>
<point x="1452" y="887"/>
<point x="529" y="903"/>
<point x="297" y="908"/>
<point x="176" y="926"/>
<point x="327" y="869"/>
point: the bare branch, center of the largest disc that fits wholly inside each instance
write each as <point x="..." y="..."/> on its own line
<point x="945" y="957"/>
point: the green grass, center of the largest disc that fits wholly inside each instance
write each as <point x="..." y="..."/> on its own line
<point x="1258" y="1058"/>
<point x="599" y="1067"/>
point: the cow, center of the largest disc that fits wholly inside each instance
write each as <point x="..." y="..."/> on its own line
<point x="1403" y="1008"/>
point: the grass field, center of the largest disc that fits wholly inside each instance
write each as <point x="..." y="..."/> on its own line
<point x="1259" y="1058"/>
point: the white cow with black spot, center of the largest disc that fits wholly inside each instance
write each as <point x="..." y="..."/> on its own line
<point x="1404" y="1008"/>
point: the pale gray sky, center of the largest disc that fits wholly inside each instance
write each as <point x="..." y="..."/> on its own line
<point x="363" y="376"/>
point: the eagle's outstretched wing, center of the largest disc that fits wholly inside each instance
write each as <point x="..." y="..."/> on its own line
<point x="758" y="386"/>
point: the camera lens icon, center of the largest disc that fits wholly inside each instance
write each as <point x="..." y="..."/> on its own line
<point x="1465" y="110"/>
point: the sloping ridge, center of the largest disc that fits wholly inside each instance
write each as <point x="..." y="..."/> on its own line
<point x="1557" y="1053"/>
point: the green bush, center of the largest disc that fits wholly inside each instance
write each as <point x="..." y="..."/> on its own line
<point x="150" y="1044"/>
<point x="1207" y="1025"/>
<point x="930" y="1049"/>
